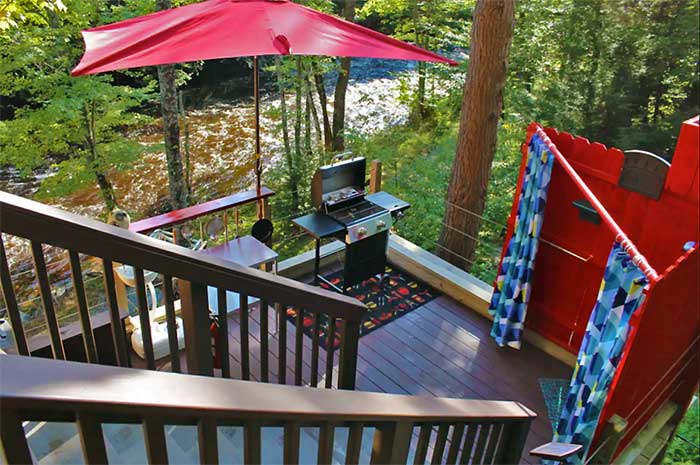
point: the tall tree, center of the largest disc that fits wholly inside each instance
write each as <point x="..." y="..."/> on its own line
<point x="341" y="88"/>
<point x="482" y="101"/>
<point x="177" y="184"/>
<point x="77" y="125"/>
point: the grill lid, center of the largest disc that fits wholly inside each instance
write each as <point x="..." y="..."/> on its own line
<point x="337" y="183"/>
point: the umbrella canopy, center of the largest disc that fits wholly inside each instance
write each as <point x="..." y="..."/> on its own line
<point x="235" y="28"/>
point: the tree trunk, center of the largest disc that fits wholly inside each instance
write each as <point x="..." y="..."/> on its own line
<point x="314" y="116"/>
<point x="341" y="88"/>
<point x="482" y="102"/>
<point x="177" y="185"/>
<point x="285" y="133"/>
<point x="323" y="102"/>
<point x="308" y="152"/>
<point x="293" y="174"/>
<point x="419" y="109"/>
<point x="106" y="188"/>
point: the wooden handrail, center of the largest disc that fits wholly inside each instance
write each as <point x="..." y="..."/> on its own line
<point x="195" y="271"/>
<point x="195" y="211"/>
<point x="48" y="390"/>
<point x="49" y="225"/>
<point x="43" y="385"/>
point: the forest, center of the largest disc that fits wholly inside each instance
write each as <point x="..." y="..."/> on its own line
<point x="623" y="73"/>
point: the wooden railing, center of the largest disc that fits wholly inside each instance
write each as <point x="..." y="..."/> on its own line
<point x="449" y="430"/>
<point x="223" y="204"/>
<point x="42" y="224"/>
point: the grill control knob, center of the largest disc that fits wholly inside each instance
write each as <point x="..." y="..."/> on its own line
<point x="361" y="231"/>
<point x="381" y="224"/>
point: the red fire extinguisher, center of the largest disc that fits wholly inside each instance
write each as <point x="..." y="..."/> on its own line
<point x="214" y="331"/>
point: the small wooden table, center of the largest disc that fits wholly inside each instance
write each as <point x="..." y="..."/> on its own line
<point x="246" y="251"/>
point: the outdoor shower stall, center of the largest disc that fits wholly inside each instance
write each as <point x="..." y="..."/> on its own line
<point x="654" y="203"/>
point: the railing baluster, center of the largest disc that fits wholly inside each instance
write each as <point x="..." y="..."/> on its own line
<point x="422" y="444"/>
<point x="352" y="453"/>
<point x="455" y="443"/>
<point x="13" y="441"/>
<point x="245" y="344"/>
<point x="144" y="319"/>
<point x="480" y="446"/>
<point x="315" y="328"/>
<point x="264" y="341"/>
<point x="118" y="335"/>
<point x="469" y="444"/>
<point x="42" y="278"/>
<point x="208" y="441"/>
<point x="8" y="292"/>
<point x="251" y="443"/>
<point x="330" y="349"/>
<point x="223" y="333"/>
<point x="349" y="341"/>
<point x="291" y="443"/>
<point x="282" y="342"/>
<point x="154" y="438"/>
<point x="169" y="297"/>
<point x="392" y="442"/>
<point x="79" y="289"/>
<point x="440" y="441"/>
<point x="92" y="440"/>
<point x="325" y="444"/>
<point x="496" y="429"/>
<point x="298" y="346"/>
<point x="195" y="315"/>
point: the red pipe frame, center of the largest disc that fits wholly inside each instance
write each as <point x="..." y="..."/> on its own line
<point x="620" y="235"/>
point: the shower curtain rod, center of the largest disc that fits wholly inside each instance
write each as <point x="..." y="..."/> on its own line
<point x="620" y="235"/>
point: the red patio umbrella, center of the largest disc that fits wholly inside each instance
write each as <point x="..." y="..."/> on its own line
<point x="235" y="28"/>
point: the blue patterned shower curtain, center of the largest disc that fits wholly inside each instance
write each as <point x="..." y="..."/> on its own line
<point x="602" y="347"/>
<point x="512" y="288"/>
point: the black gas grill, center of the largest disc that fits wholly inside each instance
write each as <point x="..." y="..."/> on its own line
<point x="344" y="212"/>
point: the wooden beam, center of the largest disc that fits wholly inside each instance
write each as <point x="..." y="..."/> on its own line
<point x="375" y="177"/>
<point x="195" y="317"/>
<point x="303" y="264"/>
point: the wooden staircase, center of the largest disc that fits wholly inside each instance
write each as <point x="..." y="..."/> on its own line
<point x="297" y="421"/>
<point x="440" y="429"/>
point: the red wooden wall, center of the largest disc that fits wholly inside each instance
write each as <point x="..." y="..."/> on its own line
<point x="661" y="357"/>
<point x="572" y="256"/>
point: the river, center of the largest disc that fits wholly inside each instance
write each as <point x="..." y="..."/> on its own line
<point x="221" y="137"/>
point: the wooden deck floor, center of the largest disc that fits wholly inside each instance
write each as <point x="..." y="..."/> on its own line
<point x="439" y="349"/>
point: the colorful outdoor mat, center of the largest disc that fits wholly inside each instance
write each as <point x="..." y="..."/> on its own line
<point x="400" y="294"/>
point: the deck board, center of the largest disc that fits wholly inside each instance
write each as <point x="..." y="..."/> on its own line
<point x="438" y="349"/>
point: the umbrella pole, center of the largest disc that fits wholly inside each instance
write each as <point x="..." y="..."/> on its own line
<point x="258" y="158"/>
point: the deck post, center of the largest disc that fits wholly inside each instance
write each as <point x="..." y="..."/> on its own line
<point x="514" y="443"/>
<point x="392" y="442"/>
<point x="349" y="338"/>
<point x="375" y="177"/>
<point x="263" y="208"/>
<point x="195" y="316"/>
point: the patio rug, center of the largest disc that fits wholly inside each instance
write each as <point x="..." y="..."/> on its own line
<point x="400" y="295"/>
